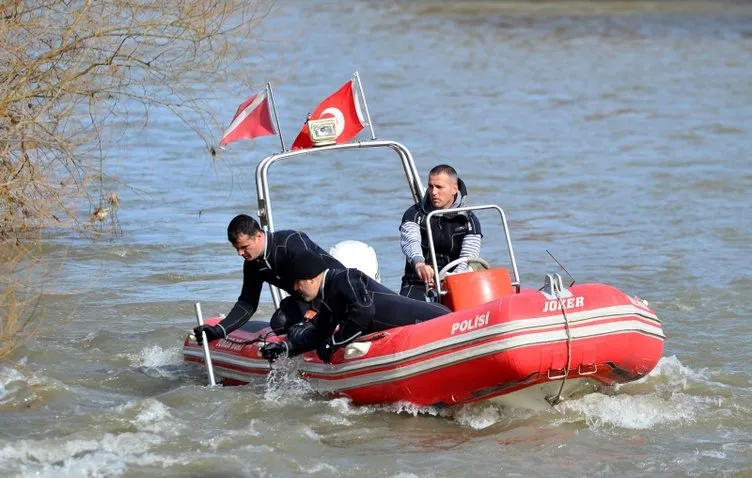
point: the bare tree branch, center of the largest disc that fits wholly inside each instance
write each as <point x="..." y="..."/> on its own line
<point x="67" y="68"/>
<point x="70" y="70"/>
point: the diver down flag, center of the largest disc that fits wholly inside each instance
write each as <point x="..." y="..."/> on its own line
<point x="343" y="106"/>
<point x="253" y="119"/>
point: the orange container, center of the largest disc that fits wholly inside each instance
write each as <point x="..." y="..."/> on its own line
<point x="474" y="288"/>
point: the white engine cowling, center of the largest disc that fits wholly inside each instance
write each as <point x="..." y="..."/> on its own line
<point x="357" y="255"/>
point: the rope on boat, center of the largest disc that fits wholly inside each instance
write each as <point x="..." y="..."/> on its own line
<point x="248" y="342"/>
<point x="554" y="400"/>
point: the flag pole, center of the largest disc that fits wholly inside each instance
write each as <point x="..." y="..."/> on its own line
<point x="365" y="105"/>
<point x="276" y="118"/>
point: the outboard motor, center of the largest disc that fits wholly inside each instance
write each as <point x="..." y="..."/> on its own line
<point x="357" y="255"/>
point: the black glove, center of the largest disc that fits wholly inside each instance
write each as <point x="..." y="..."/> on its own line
<point x="213" y="332"/>
<point x="326" y="349"/>
<point x="271" y="351"/>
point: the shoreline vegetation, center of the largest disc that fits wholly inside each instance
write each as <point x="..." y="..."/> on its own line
<point x="73" y="75"/>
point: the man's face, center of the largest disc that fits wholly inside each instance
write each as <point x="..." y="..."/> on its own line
<point x="307" y="288"/>
<point x="250" y="247"/>
<point x="441" y="190"/>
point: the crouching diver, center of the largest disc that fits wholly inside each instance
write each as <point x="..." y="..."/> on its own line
<point x="268" y="257"/>
<point x="347" y="298"/>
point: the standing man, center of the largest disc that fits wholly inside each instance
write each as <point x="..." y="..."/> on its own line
<point x="455" y="235"/>
<point x="268" y="258"/>
<point x="348" y="299"/>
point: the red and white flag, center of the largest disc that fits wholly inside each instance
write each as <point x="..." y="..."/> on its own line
<point x="253" y="119"/>
<point x="344" y="108"/>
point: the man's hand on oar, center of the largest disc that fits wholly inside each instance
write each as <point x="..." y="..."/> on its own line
<point x="213" y="332"/>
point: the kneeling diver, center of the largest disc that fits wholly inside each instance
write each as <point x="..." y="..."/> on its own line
<point x="348" y="299"/>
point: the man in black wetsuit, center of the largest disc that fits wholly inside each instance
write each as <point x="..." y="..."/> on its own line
<point x="346" y="298"/>
<point x="454" y="235"/>
<point x="268" y="258"/>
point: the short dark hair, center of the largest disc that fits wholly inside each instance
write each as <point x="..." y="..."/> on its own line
<point x="445" y="169"/>
<point x="242" y="224"/>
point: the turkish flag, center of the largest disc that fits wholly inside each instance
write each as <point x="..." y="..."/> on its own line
<point x="344" y="108"/>
<point x="251" y="120"/>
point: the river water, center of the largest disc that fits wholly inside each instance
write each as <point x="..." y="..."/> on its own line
<point x="616" y="135"/>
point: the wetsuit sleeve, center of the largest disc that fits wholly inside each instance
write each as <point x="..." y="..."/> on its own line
<point x="360" y="305"/>
<point x="246" y="305"/>
<point x="304" y="337"/>
<point x="410" y="237"/>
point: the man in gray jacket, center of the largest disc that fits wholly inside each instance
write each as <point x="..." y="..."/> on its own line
<point x="454" y="235"/>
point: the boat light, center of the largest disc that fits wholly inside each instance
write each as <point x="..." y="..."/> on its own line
<point x="322" y="131"/>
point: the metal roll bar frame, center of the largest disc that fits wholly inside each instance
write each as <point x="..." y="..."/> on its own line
<point x="455" y="210"/>
<point x="266" y="218"/>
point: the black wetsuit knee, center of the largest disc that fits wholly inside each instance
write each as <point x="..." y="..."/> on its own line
<point x="290" y="312"/>
<point x="413" y="291"/>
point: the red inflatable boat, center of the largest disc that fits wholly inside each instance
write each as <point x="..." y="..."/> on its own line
<point x="519" y="347"/>
<point x="544" y="345"/>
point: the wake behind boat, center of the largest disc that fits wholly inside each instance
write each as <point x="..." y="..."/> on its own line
<point x="520" y="347"/>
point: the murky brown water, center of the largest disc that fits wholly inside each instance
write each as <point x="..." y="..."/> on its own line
<point x="615" y="134"/>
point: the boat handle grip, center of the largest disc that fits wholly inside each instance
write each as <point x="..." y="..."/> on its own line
<point x="559" y="373"/>
<point x="587" y="369"/>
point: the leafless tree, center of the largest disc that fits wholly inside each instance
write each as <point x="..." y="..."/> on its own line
<point x="21" y="310"/>
<point x="69" y="71"/>
<point x="69" y="67"/>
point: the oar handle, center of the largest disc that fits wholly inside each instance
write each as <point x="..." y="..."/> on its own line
<point x="207" y="355"/>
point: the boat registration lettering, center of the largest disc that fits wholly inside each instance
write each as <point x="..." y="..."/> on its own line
<point x="227" y="345"/>
<point x="480" y="320"/>
<point x="568" y="303"/>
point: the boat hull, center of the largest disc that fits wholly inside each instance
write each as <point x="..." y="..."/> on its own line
<point x="522" y="345"/>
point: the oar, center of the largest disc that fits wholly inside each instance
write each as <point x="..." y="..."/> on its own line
<point x="207" y="356"/>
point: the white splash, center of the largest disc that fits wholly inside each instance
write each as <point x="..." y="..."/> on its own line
<point x="94" y="453"/>
<point x="414" y="410"/>
<point x="154" y="416"/>
<point x="284" y="384"/>
<point x="319" y="468"/>
<point x="233" y="436"/>
<point x="666" y="403"/>
<point x="10" y="380"/>
<point x="635" y="412"/>
<point x="478" y="417"/>
<point x="155" y="356"/>
<point x="23" y="388"/>
<point x="309" y="432"/>
<point x="679" y="375"/>
<point x="107" y="456"/>
<point x="336" y="420"/>
<point x="344" y="407"/>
